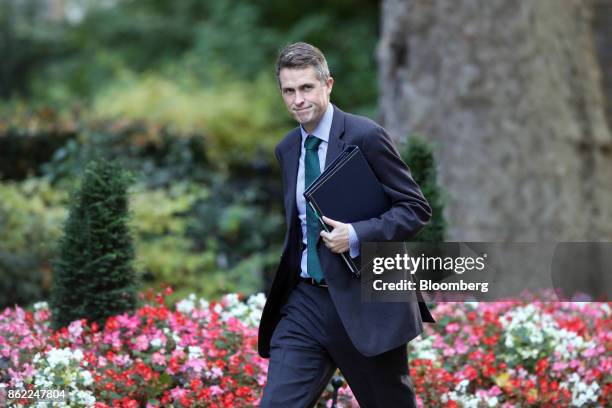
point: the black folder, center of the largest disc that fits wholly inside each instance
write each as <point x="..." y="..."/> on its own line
<point x="347" y="191"/>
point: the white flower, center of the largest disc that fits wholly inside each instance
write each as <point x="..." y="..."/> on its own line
<point x="58" y="356"/>
<point x="156" y="342"/>
<point x="204" y="304"/>
<point x="462" y="386"/>
<point x="492" y="402"/>
<point x="195" y="352"/>
<point x="41" y="305"/>
<point x="231" y="299"/>
<point x="36" y="358"/>
<point x="423" y="349"/>
<point x="257" y="301"/>
<point x="87" y="378"/>
<point x="77" y="355"/>
<point x="583" y="393"/>
<point x="185" y="306"/>
<point x="238" y="310"/>
<point x="254" y="318"/>
<point x="85" y="397"/>
<point x="472" y="305"/>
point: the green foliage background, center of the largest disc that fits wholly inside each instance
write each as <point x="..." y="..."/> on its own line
<point x="183" y="95"/>
<point x="90" y="45"/>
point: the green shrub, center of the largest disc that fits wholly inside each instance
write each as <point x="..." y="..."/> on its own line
<point x="29" y="136"/>
<point x="164" y="253"/>
<point x="93" y="277"/>
<point x="205" y="239"/>
<point x="22" y="279"/>
<point x="31" y="214"/>
<point x="418" y="155"/>
<point x="239" y="119"/>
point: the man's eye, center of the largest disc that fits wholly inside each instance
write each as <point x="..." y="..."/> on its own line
<point x="288" y="91"/>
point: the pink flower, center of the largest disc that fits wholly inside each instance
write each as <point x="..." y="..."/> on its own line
<point x="75" y="329"/>
<point x="215" y="390"/>
<point x="461" y="347"/>
<point x="178" y="392"/>
<point x="158" y="358"/>
<point x="142" y="343"/>
<point x="452" y="327"/>
<point x="197" y="364"/>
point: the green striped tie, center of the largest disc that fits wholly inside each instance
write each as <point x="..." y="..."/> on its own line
<point x="312" y="171"/>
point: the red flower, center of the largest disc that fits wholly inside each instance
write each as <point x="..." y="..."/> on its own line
<point x="186" y="401"/>
<point x="541" y="366"/>
<point x="111" y="324"/>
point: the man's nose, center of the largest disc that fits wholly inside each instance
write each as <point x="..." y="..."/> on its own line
<point x="299" y="98"/>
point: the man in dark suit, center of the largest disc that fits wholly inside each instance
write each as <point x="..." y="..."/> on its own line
<point x="314" y="320"/>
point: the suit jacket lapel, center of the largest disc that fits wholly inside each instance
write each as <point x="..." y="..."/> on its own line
<point x="290" y="168"/>
<point x="335" y="144"/>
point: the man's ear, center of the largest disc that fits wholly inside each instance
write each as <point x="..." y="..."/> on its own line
<point x="330" y="84"/>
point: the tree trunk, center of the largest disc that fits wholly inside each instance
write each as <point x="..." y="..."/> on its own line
<point x="602" y="26"/>
<point x="511" y="95"/>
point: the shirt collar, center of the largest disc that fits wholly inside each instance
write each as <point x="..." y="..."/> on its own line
<point x="323" y="128"/>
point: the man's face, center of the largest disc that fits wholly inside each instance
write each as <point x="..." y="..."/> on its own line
<point x="305" y="95"/>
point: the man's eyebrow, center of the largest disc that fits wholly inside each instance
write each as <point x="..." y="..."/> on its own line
<point x="289" y="88"/>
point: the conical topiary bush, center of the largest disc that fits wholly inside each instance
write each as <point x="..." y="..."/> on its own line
<point x="418" y="155"/>
<point x="93" y="277"/>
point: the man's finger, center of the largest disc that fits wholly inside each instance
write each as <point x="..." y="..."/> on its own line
<point x="331" y="222"/>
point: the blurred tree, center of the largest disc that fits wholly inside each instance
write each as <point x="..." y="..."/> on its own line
<point x="511" y="94"/>
<point x="93" y="277"/>
<point x="602" y="29"/>
<point x="98" y="42"/>
<point x="28" y="40"/>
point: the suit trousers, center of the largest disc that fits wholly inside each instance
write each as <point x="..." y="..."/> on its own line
<point x="310" y="342"/>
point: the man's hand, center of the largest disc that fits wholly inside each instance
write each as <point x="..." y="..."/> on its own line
<point x="338" y="239"/>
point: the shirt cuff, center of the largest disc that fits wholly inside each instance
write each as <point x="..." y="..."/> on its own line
<point x="354" y="249"/>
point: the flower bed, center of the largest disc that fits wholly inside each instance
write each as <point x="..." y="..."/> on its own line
<point x="511" y="354"/>
<point x="515" y="354"/>
<point x="199" y="354"/>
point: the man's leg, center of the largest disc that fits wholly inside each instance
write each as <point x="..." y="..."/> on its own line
<point x="300" y="367"/>
<point x="377" y="382"/>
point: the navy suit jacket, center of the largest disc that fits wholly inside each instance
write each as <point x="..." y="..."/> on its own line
<point x="373" y="327"/>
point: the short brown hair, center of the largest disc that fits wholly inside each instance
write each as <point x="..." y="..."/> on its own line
<point x="302" y="55"/>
